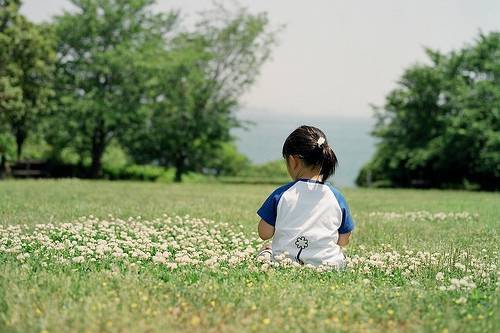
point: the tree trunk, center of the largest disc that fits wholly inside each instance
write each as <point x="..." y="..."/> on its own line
<point x="96" y="167"/>
<point x="98" y="147"/>
<point x="179" y="169"/>
<point x="20" y="138"/>
<point x="3" y="165"/>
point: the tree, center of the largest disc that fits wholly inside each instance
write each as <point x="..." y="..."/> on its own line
<point x="6" y="145"/>
<point x="441" y="126"/>
<point x="227" y="161"/>
<point x="208" y="71"/>
<point x="26" y="70"/>
<point x="106" y="60"/>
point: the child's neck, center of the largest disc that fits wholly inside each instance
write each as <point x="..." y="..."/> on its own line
<point x="309" y="174"/>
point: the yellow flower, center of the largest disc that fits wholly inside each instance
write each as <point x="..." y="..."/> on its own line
<point x="195" y="320"/>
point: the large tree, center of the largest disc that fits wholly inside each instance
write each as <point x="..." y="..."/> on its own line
<point x="26" y="70"/>
<point x="107" y="53"/>
<point x="441" y="125"/>
<point x="207" y="71"/>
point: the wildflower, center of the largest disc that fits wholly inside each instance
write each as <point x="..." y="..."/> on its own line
<point x="195" y="320"/>
<point x="171" y="265"/>
<point x="78" y="259"/>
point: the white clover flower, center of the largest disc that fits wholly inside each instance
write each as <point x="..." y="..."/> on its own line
<point x="159" y="258"/>
<point x="264" y="257"/>
<point x="200" y="242"/>
<point x="78" y="259"/>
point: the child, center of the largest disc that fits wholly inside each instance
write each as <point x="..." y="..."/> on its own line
<point x="308" y="219"/>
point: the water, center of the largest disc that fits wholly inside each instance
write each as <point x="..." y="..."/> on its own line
<point x="349" y="137"/>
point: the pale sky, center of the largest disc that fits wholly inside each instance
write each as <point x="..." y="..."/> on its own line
<point x="336" y="57"/>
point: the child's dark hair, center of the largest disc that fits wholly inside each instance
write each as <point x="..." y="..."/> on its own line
<point x="306" y="143"/>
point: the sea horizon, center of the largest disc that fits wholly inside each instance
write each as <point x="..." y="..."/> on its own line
<point x="262" y="140"/>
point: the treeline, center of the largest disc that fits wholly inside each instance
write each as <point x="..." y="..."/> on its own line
<point x="441" y="126"/>
<point x="114" y="73"/>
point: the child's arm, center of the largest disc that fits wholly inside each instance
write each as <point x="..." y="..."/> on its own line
<point x="344" y="239"/>
<point x="266" y="231"/>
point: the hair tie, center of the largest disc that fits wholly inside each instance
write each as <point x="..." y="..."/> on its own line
<point x="321" y="141"/>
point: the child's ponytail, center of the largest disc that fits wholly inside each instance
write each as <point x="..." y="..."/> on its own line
<point x="330" y="162"/>
<point x="310" y="144"/>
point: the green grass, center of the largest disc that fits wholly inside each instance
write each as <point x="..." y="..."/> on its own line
<point x="115" y="298"/>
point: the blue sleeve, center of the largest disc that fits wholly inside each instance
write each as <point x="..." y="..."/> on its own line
<point x="269" y="209"/>
<point x="347" y="224"/>
<point x="347" y="221"/>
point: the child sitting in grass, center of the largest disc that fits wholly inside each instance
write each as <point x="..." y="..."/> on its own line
<point x="308" y="218"/>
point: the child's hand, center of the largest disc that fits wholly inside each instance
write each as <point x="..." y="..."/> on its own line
<point x="343" y="239"/>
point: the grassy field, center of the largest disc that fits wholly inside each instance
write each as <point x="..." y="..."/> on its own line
<point x="421" y="261"/>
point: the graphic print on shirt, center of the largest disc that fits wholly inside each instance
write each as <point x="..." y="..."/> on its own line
<point x="301" y="244"/>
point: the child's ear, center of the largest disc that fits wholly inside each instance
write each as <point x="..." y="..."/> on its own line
<point x="294" y="160"/>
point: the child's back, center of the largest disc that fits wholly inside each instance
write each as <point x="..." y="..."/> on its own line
<point x="309" y="215"/>
<point x="308" y="219"/>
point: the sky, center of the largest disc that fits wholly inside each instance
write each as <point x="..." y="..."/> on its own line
<point x="335" y="58"/>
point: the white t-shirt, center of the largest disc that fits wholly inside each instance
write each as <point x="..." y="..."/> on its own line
<point x="308" y="216"/>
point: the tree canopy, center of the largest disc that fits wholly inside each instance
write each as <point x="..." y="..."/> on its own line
<point x="441" y="126"/>
<point x="206" y="72"/>
<point x="107" y="53"/>
<point x="115" y="72"/>
<point x="26" y="70"/>
<point x="167" y="94"/>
